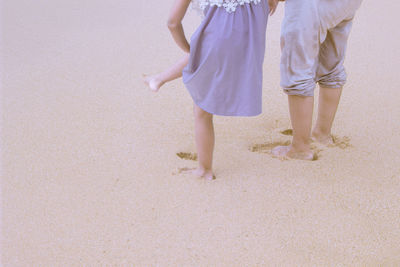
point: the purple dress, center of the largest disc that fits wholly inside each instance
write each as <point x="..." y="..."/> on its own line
<point x="224" y="73"/>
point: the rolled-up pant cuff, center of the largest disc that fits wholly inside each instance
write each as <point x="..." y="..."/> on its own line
<point x="335" y="79"/>
<point x="332" y="84"/>
<point x="300" y="91"/>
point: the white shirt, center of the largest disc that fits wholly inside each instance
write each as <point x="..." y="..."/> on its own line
<point x="229" y="5"/>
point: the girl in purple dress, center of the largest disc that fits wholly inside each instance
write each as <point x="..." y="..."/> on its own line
<point x="223" y="71"/>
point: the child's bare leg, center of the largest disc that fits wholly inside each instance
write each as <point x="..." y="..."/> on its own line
<point x="156" y="81"/>
<point x="301" y="110"/>
<point x="327" y="107"/>
<point x="205" y="139"/>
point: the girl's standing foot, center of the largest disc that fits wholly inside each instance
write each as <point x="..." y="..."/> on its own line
<point x="198" y="172"/>
<point x="207" y="174"/>
<point x="205" y="140"/>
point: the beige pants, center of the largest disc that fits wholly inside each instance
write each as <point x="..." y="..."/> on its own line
<point x="314" y="40"/>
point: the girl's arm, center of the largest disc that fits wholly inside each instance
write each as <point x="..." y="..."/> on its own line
<point x="273" y="5"/>
<point x="175" y="23"/>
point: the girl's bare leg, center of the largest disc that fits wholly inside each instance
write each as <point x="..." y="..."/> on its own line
<point x="156" y="81"/>
<point x="205" y="140"/>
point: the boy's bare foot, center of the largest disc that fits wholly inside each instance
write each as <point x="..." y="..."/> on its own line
<point x="201" y="173"/>
<point x="285" y="152"/>
<point x="153" y="82"/>
<point x="322" y="139"/>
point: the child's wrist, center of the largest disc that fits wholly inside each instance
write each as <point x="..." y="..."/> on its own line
<point x="186" y="48"/>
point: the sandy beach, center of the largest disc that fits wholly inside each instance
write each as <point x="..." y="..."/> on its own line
<point x="90" y="172"/>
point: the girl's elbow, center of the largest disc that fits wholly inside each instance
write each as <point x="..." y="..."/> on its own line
<point x="172" y="24"/>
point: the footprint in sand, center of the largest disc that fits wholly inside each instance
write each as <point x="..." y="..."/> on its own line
<point x="187" y="155"/>
<point x="341" y="142"/>
<point x="266" y="148"/>
<point x="288" y="132"/>
<point x="182" y="170"/>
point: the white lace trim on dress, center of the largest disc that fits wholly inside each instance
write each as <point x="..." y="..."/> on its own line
<point x="229" y="5"/>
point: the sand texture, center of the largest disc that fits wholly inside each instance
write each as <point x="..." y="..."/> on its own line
<point x="90" y="171"/>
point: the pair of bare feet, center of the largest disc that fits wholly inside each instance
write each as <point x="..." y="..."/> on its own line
<point x="285" y="152"/>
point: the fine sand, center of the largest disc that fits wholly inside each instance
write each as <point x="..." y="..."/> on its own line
<point x="90" y="172"/>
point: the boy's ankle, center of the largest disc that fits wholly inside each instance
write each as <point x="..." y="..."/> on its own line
<point x="302" y="147"/>
<point x="320" y="133"/>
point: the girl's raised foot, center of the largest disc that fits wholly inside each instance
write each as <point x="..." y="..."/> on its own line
<point x="153" y="82"/>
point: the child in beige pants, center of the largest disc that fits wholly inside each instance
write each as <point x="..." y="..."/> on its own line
<point x="314" y="39"/>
